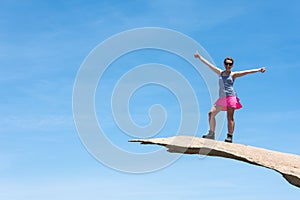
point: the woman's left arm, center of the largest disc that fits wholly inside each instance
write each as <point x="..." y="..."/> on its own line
<point x="251" y="71"/>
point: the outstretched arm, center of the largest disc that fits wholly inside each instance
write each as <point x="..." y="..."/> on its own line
<point x="211" y="66"/>
<point x="251" y="71"/>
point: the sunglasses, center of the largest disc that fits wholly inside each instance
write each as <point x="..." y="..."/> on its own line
<point x="226" y="63"/>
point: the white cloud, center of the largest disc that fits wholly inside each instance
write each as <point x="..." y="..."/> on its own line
<point x="35" y="122"/>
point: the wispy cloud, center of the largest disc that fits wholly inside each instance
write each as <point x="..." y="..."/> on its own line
<point x="25" y="123"/>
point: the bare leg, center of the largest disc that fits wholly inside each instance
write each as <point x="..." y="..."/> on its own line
<point x="230" y="120"/>
<point x="211" y="117"/>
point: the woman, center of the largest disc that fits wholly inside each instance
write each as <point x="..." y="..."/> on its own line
<point x="228" y="100"/>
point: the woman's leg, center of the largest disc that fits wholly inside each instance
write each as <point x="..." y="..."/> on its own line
<point x="212" y="121"/>
<point x="211" y="117"/>
<point x="230" y="120"/>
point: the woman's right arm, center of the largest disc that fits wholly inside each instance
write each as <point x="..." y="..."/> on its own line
<point x="211" y="66"/>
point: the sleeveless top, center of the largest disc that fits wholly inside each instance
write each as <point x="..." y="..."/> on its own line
<point x="226" y="85"/>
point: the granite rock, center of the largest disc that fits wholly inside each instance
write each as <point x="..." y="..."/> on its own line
<point x="286" y="164"/>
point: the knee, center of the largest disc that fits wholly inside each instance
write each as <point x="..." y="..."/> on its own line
<point x="230" y="118"/>
<point x="210" y="114"/>
<point x="230" y="114"/>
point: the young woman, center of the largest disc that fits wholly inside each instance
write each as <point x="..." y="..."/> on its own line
<point x="228" y="100"/>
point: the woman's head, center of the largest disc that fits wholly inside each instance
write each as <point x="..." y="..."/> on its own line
<point x="228" y="62"/>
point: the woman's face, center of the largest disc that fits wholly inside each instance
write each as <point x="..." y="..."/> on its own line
<point x="228" y="64"/>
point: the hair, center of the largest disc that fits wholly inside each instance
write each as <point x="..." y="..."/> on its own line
<point x="229" y="58"/>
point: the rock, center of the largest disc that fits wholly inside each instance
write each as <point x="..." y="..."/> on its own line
<point x="286" y="164"/>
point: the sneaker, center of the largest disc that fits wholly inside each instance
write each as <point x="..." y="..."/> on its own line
<point x="210" y="135"/>
<point x="229" y="138"/>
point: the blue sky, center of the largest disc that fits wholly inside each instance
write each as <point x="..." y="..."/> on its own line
<point x="42" y="46"/>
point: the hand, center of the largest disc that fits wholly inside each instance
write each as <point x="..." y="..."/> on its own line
<point x="197" y="55"/>
<point x="262" y="70"/>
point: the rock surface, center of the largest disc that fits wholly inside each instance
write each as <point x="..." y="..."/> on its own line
<point x="286" y="164"/>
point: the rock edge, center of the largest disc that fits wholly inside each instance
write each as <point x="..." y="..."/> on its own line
<point x="286" y="164"/>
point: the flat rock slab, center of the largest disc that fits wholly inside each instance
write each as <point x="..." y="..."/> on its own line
<point x="286" y="164"/>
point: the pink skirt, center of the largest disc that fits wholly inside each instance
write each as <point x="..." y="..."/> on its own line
<point x="230" y="101"/>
